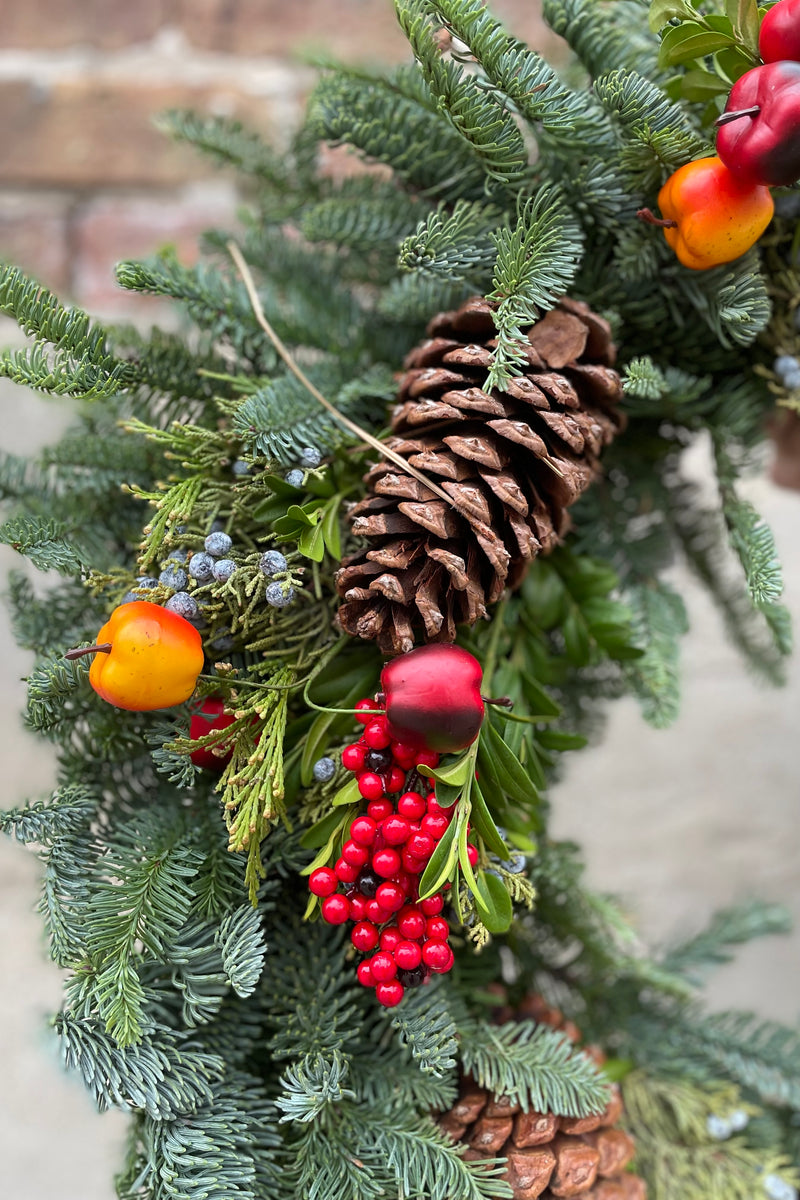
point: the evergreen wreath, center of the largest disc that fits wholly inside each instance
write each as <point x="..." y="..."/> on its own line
<point x="218" y="475"/>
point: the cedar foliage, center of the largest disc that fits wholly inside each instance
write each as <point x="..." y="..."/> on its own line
<point x="234" y="1033"/>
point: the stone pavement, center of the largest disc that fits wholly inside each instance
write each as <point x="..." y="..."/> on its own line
<point x="676" y="822"/>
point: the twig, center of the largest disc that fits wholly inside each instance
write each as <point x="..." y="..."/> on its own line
<point x="384" y="450"/>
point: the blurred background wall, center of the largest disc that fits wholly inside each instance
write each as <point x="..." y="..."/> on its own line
<point x="676" y="822"/>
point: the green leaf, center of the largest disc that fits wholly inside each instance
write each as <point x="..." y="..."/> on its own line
<point x="348" y="794"/>
<point x="455" y="773"/>
<point x="664" y="11"/>
<point x="331" y="531"/>
<point x="543" y="707"/>
<point x="443" y="860"/>
<point x="311" y="543"/>
<point x="559" y="739"/>
<point x="319" y="833"/>
<point x="743" y="15"/>
<point x="577" y="644"/>
<point x="682" y="43"/>
<point x="484" y="824"/>
<point x="510" y="774"/>
<point x="733" y="62"/>
<point x="493" y="903"/>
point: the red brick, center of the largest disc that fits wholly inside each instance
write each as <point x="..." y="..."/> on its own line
<point x="54" y="24"/>
<point x="92" y="133"/>
<point x="111" y="228"/>
<point x="34" y="236"/>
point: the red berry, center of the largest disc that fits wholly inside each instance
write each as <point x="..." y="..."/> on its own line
<point x="386" y="862"/>
<point x="414" y="866"/>
<point x="472" y="855"/>
<point x="411" y="922"/>
<point x="323" y="881"/>
<point x="403" y="880"/>
<point x="437" y="955"/>
<point x="364" y="974"/>
<point x="437" y="927"/>
<point x="364" y="710"/>
<point x="376" y="912"/>
<point x="411" y="805"/>
<point x="363" y="830"/>
<point x="421" y="845"/>
<point x="435" y="826"/>
<point x="370" y="785"/>
<point x="355" y="855"/>
<point x="353" y="757"/>
<point x="335" y="909"/>
<point x="389" y="994"/>
<point x="404" y="755"/>
<point x="395" y="830"/>
<point x="391" y="896"/>
<point x="427" y="758"/>
<point x="433" y="905"/>
<point x="396" y="781"/>
<point x="345" y="871"/>
<point x="379" y="810"/>
<point x="364" y="936"/>
<point x="375" y="734"/>
<point x="383" y="966"/>
<point x="358" y="906"/>
<point x="390" y="938"/>
<point x="436" y="810"/>
<point x="408" y="955"/>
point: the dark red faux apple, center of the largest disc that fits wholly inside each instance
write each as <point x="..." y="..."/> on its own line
<point x="432" y="698"/>
<point x="207" y="719"/>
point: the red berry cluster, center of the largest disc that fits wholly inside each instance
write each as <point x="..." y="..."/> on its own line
<point x="387" y="850"/>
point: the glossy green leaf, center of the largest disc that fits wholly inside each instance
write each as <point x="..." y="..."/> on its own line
<point x="443" y="860"/>
<point x="493" y="903"/>
<point x="331" y="530"/>
<point x="682" y="43"/>
<point x="348" y="794"/>
<point x="484" y="824"/>
<point x="311" y="543"/>
<point x="320" y="831"/>
<point x="511" y="776"/>
<point x="542" y="705"/>
<point x="744" y="16"/>
<point x="559" y="739"/>
<point x="733" y="62"/>
<point x="664" y="11"/>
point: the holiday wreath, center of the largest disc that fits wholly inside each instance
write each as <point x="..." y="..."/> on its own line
<point x="368" y="545"/>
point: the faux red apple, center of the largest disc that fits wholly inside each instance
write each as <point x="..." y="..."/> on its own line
<point x="208" y="719"/>
<point x="432" y="698"/>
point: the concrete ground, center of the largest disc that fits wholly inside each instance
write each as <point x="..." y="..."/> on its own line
<point x="676" y="823"/>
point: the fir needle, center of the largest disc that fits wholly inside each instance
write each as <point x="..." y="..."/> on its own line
<point x="384" y="450"/>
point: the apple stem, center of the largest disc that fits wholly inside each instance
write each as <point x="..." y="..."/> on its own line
<point x="727" y="117"/>
<point x="501" y="701"/>
<point x="644" y="214"/>
<point x="103" y="648"/>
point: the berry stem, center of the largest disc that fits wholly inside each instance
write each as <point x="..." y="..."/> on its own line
<point x="649" y="218"/>
<point x="102" y="648"/>
<point x="727" y="117"/>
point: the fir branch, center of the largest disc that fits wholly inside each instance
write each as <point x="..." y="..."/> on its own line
<point x="311" y="1086"/>
<point x="761" y="1056"/>
<point x="644" y="380"/>
<point x="603" y="34"/>
<point x="164" y="1075"/>
<point x="67" y="811"/>
<point x="570" y="119"/>
<point x="53" y="685"/>
<point x="394" y="121"/>
<point x="56" y="373"/>
<point x="424" y="1162"/>
<point x="455" y="246"/>
<point x="40" y="315"/>
<point x="660" y="621"/>
<point x="657" y="134"/>
<point x="321" y="1167"/>
<point x="226" y="1149"/>
<point x="477" y="115"/>
<point x="228" y="143"/>
<point x="174" y="764"/>
<point x="283" y="417"/>
<point x="45" y="542"/>
<point x="753" y="541"/>
<point x="536" y="261"/>
<point x="240" y="938"/>
<point x="424" y="1024"/>
<point x="64" y="906"/>
<point x="729" y="927"/>
<point x="534" y="1066"/>
<point x="363" y="214"/>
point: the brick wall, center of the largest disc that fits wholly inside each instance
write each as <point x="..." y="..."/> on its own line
<point x="86" y="179"/>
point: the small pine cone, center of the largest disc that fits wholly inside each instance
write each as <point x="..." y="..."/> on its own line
<point x="549" y="1157"/>
<point x="510" y="461"/>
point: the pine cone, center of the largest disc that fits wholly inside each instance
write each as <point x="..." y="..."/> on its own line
<point x="548" y="1156"/>
<point x="511" y="461"/>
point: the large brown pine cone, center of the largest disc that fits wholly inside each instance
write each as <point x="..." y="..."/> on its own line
<point x="511" y="461"/>
<point x="548" y="1156"/>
